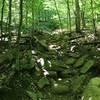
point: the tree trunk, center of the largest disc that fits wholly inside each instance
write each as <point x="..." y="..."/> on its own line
<point x="20" y="20"/>
<point x="26" y="15"/>
<point x="77" y="16"/>
<point x="2" y="12"/>
<point x="69" y="16"/>
<point x="33" y="4"/>
<point x="9" y="21"/>
<point x="83" y="14"/>
<point x="83" y="20"/>
<point x="58" y="14"/>
<point x="93" y="18"/>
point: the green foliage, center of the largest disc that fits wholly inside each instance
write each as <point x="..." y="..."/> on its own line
<point x="52" y="74"/>
<point x="5" y="58"/>
<point x="80" y="61"/>
<point x="87" y="66"/>
<point x="92" y="90"/>
<point x="42" y="82"/>
<point x="70" y="61"/>
<point x="63" y="77"/>
<point x="32" y="95"/>
<point x="65" y="71"/>
<point x="24" y="61"/>
<point x="77" y="83"/>
<point x="59" y="88"/>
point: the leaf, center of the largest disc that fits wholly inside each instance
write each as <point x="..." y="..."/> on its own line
<point x="39" y="94"/>
<point x="77" y="82"/>
<point x="52" y="74"/>
<point x="5" y="58"/>
<point x="71" y="61"/>
<point x="2" y="58"/>
<point x="32" y="95"/>
<point x="42" y="82"/>
<point x="60" y="88"/>
<point x="65" y="73"/>
<point x="95" y="82"/>
<point x="43" y="43"/>
<point x="80" y="61"/>
<point x="87" y="66"/>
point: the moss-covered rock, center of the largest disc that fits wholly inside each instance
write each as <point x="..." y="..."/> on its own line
<point x="87" y="66"/>
<point x="80" y="61"/>
<point x="92" y="91"/>
<point x="60" y="88"/>
<point x="70" y="61"/>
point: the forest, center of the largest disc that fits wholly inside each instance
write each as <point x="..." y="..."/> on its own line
<point x="49" y="49"/>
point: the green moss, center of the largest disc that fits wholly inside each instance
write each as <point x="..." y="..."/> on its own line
<point x="80" y="61"/>
<point x="92" y="91"/>
<point x="87" y="66"/>
<point x="70" y="61"/>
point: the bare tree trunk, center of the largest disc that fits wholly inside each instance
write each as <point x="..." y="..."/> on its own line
<point x="83" y="14"/>
<point x="20" y="20"/>
<point x="58" y="14"/>
<point x="33" y="8"/>
<point x="77" y="16"/>
<point x="26" y="16"/>
<point x="83" y="20"/>
<point x="2" y="12"/>
<point x="9" y="21"/>
<point x="33" y="18"/>
<point x="69" y="16"/>
<point x="93" y="18"/>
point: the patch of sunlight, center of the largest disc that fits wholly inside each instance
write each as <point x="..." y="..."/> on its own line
<point x="41" y="61"/>
<point x="3" y="52"/>
<point x="59" y="79"/>
<point x="14" y="38"/>
<point x="49" y="63"/>
<point x="33" y="52"/>
<point x="72" y="48"/>
<point x="98" y="49"/>
<point x="4" y="39"/>
<point x="45" y="72"/>
<point x="90" y="98"/>
<point x="3" y="33"/>
<point x="82" y="98"/>
<point x="54" y="47"/>
<point x="55" y="85"/>
<point x="90" y="37"/>
<point x="96" y="57"/>
<point x="6" y="49"/>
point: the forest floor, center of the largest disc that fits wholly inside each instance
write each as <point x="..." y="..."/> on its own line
<point x="66" y="50"/>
